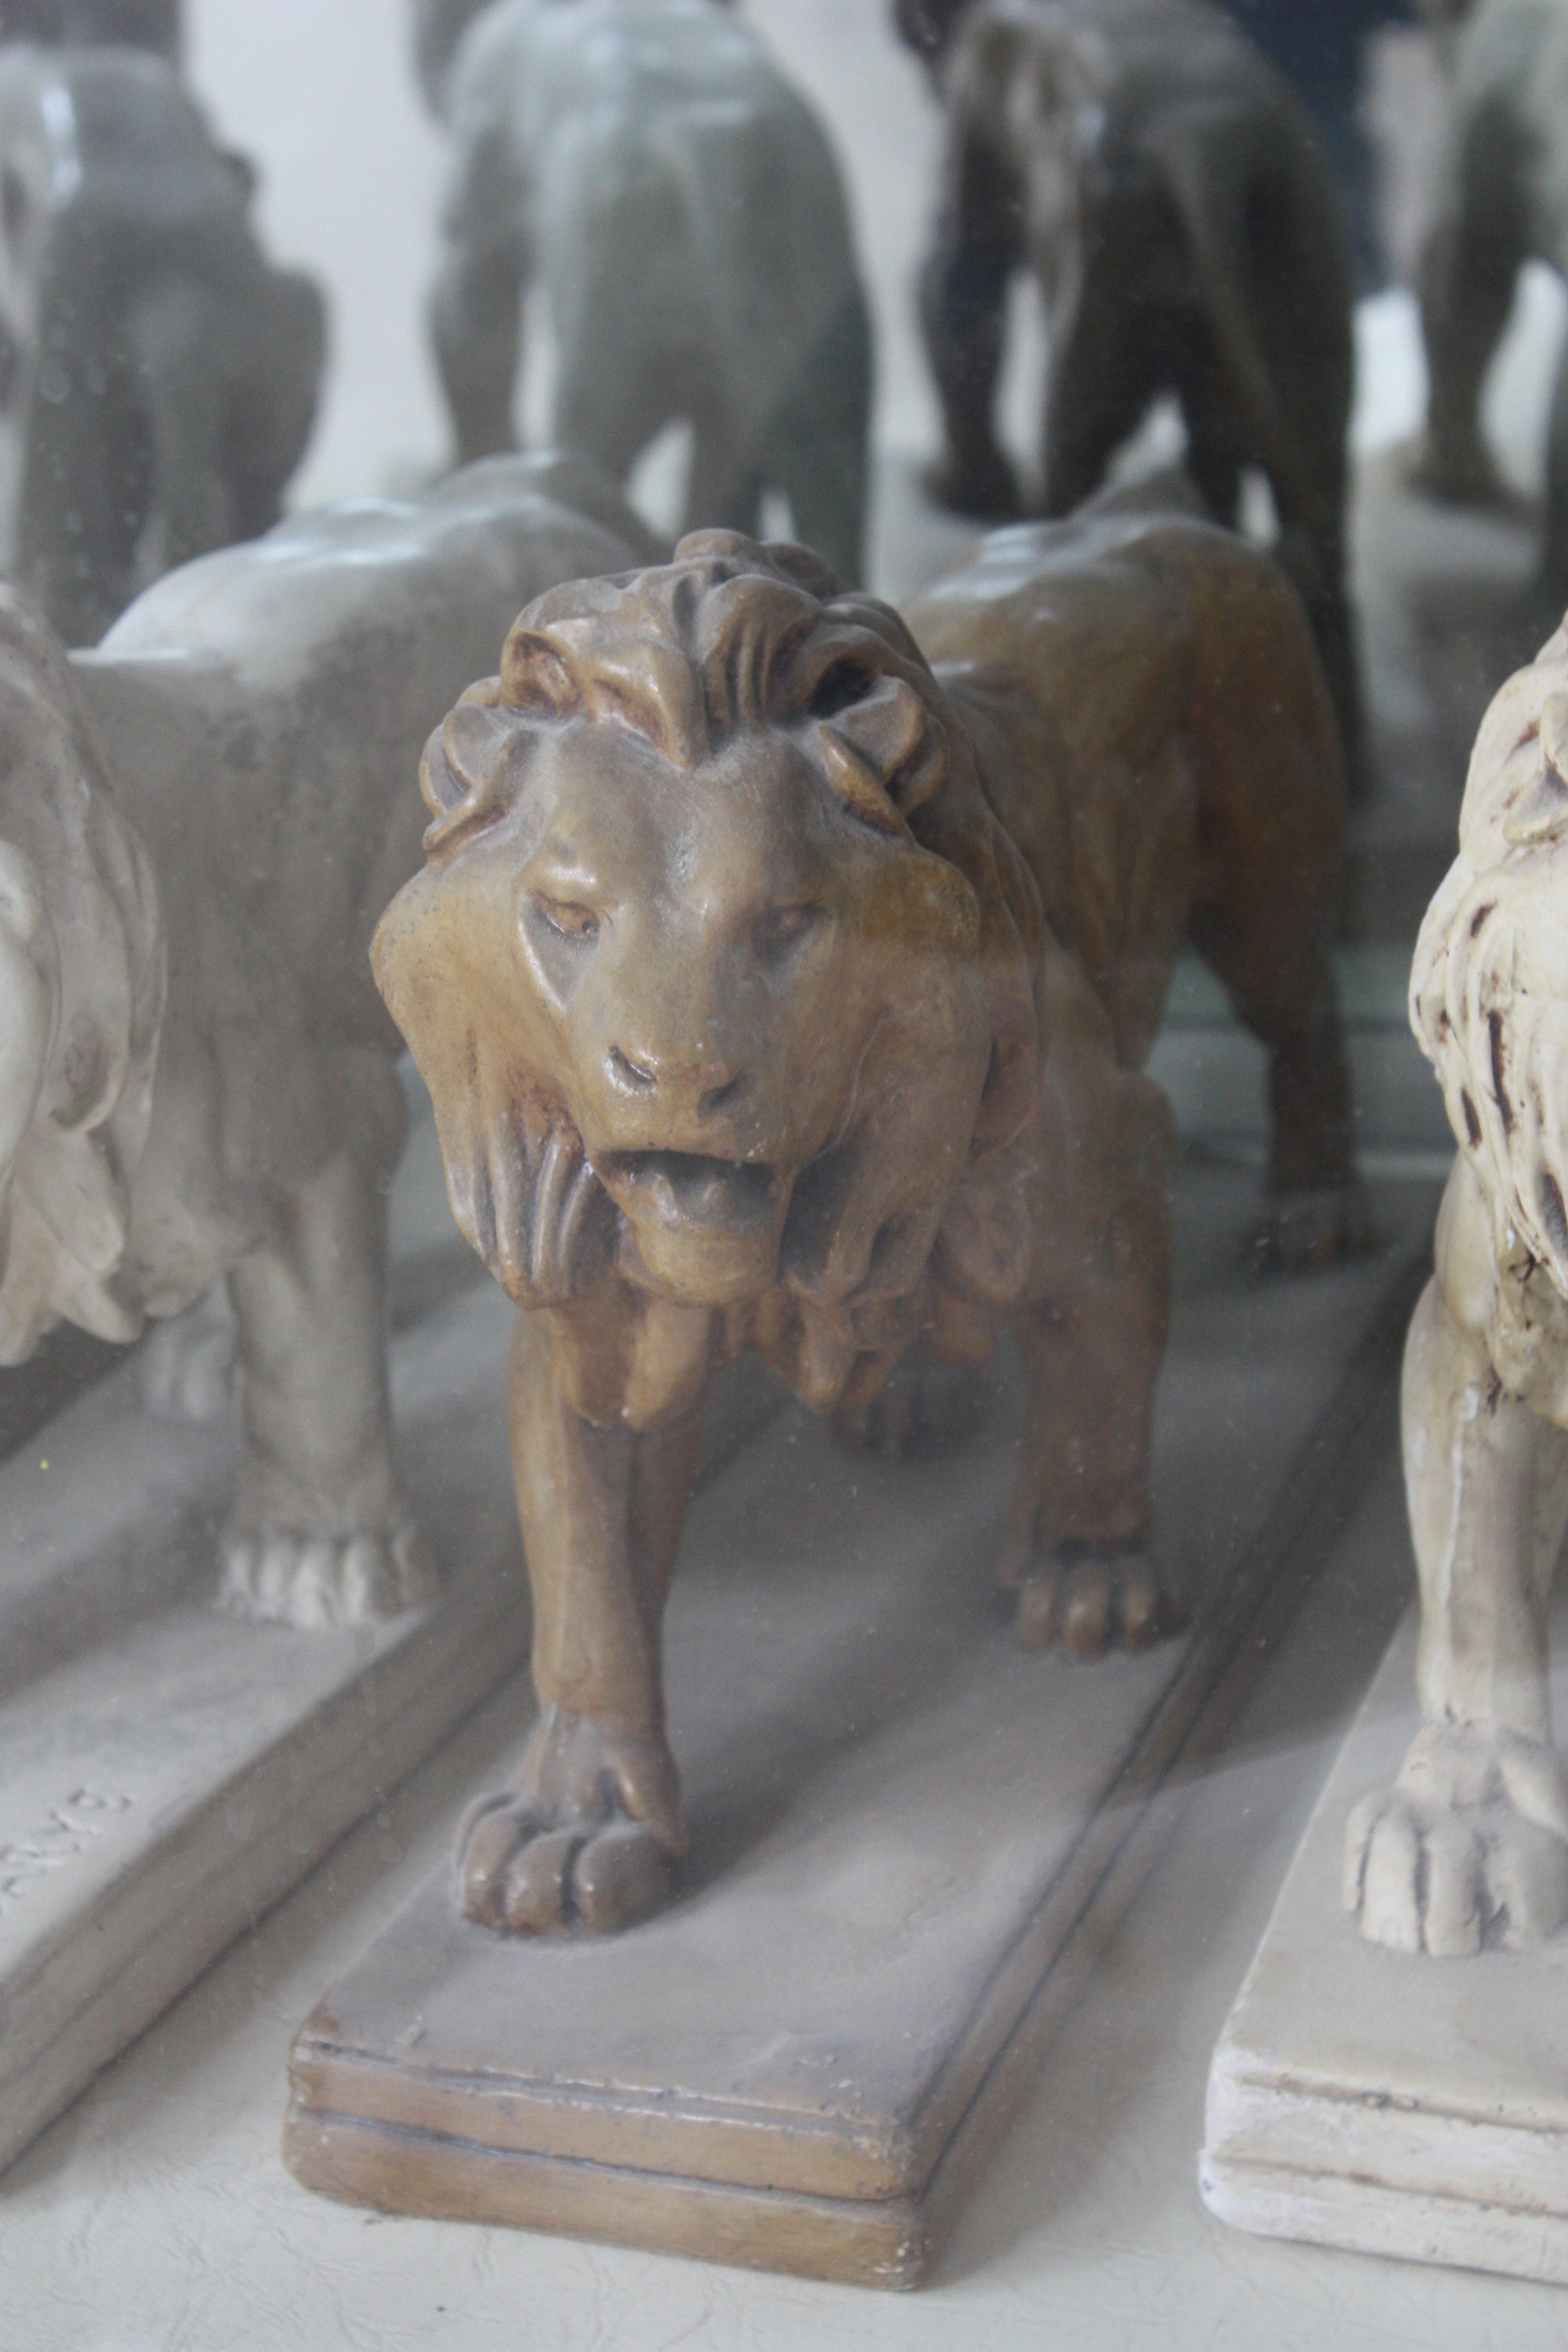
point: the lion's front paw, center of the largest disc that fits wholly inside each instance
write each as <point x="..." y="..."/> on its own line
<point x="590" y="1840"/>
<point x="1300" y="1231"/>
<point x="1469" y="1848"/>
<point x="1089" y="1601"/>
<point x="304" y="1577"/>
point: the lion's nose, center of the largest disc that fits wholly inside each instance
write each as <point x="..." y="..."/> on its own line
<point x="707" y="1084"/>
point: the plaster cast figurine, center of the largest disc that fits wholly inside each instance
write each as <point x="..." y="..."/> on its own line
<point x="648" y="166"/>
<point x="1470" y="1847"/>
<point x="1507" y="204"/>
<point x="158" y="377"/>
<point x="776" y="989"/>
<point x="199" y="824"/>
<point x="1168" y="190"/>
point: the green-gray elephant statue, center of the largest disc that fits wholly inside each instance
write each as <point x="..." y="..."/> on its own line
<point x="646" y="163"/>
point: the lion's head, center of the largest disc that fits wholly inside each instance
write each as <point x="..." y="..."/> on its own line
<point x="81" y="991"/>
<point x="715" y="969"/>
<point x="1488" y="989"/>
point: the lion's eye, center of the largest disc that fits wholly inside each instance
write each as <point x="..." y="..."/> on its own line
<point x="573" y="922"/>
<point x="841" y="683"/>
<point x="781" y="928"/>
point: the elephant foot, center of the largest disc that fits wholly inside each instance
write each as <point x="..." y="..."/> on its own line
<point x="310" y="1577"/>
<point x="1469" y="1849"/>
<point x="1458" y="473"/>
<point x="1322" y="1225"/>
<point x="590" y="1840"/>
<point x="1088" y="1600"/>
<point x="981" y="487"/>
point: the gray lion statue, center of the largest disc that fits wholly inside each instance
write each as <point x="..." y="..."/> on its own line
<point x="158" y="377"/>
<point x="1169" y="193"/>
<point x="677" y="202"/>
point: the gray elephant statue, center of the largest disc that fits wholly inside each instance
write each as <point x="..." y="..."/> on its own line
<point x="85" y="23"/>
<point x="1507" y="204"/>
<point x="158" y="377"/>
<point x="1166" y="188"/>
<point x="645" y="162"/>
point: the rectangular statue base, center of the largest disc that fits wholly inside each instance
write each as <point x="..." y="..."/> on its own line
<point x="167" y="1772"/>
<point x="1390" y="2103"/>
<point x="907" y="1836"/>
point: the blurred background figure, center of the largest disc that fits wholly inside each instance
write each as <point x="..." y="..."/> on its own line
<point x="1166" y="189"/>
<point x="160" y="377"/>
<point x="646" y="165"/>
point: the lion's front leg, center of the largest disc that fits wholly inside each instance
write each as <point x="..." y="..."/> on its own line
<point x="1470" y="1845"/>
<point x="1077" y="1547"/>
<point x="319" y="1534"/>
<point x="591" y="1836"/>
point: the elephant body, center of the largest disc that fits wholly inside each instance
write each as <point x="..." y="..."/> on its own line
<point x="1168" y="190"/>
<point x="1508" y="205"/>
<point x="678" y="203"/>
<point x="160" y="375"/>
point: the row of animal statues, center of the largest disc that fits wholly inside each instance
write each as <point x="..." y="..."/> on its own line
<point x="782" y="968"/>
<point x="646" y="164"/>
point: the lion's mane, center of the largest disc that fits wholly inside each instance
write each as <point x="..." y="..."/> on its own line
<point x="97" y="947"/>
<point x="1488" y="989"/>
<point x="732" y="637"/>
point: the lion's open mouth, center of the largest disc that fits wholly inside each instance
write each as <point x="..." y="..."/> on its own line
<point x="739" y="1196"/>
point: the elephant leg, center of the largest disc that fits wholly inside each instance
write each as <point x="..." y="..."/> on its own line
<point x="816" y="450"/>
<point x="964" y="311"/>
<point x="476" y="329"/>
<point x="181" y="338"/>
<point x="319" y="1534"/>
<point x="1467" y="284"/>
<point x="85" y="483"/>
<point x="276" y="376"/>
<point x="1215" y="449"/>
<point x="1109" y="360"/>
<point x="1470" y="1845"/>
<point x="591" y="1835"/>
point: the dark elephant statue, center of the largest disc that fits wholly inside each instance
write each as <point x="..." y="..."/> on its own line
<point x="158" y="378"/>
<point x="1167" y="189"/>
<point x="1507" y="204"/>
<point x="645" y="162"/>
<point x="85" y="23"/>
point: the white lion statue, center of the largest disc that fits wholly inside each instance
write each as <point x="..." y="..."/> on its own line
<point x="1470" y="1847"/>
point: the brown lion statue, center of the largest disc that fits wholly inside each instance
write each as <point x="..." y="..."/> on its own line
<point x="1470" y="1847"/>
<point x="778" y="988"/>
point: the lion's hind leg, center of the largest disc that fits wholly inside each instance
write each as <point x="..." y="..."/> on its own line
<point x="1470" y="1845"/>
<point x="1272" y="822"/>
